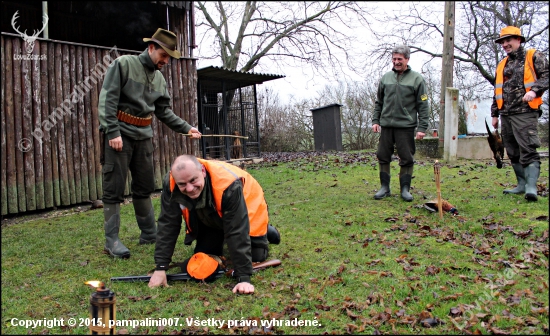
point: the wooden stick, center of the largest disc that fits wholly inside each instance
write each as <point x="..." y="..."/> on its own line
<point x="219" y="135"/>
<point x="437" y="173"/>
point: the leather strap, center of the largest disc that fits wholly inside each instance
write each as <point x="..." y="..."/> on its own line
<point x="133" y="120"/>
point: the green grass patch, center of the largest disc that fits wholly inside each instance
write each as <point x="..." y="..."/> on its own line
<point x="350" y="264"/>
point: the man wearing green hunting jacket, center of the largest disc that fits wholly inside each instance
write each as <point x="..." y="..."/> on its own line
<point x="133" y="90"/>
<point x="401" y="107"/>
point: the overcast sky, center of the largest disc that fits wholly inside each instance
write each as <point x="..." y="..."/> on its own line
<point x="302" y="83"/>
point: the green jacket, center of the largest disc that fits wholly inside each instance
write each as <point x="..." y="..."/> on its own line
<point x="234" y="224"/>
<point x="126" y="88"/>
<point x="402" y="101"/>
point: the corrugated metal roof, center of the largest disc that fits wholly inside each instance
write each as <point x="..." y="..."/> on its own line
<point x="178" y="4"/>
<point x="213" y="76"/>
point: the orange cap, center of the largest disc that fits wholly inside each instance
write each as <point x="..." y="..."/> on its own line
<point x="201" y="266"/>
<point x="510" y="31"/>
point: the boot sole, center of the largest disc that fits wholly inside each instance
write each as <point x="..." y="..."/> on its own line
<point x="531" y="197"/>
<point x="513" y="193"/>
<point x="111" y="254"/>
<point x="381" y="197"/>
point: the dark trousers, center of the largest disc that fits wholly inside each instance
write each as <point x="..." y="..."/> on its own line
<point x="520" y="137"/>
<point x="136" y="155"/>
<point x="400" y="138"/>
<point x="210" y="241"/>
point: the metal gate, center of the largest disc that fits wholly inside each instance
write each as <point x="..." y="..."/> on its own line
<point x="228" y="113"/>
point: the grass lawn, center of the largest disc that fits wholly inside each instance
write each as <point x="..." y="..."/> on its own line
<point x="350" y="264"/>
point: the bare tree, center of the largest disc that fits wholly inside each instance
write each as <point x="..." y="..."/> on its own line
<point x="284" y="127"/>
<point x="432" y="78"/>
<point x="302" y="32"/>
<point x="478" y="24"/>
<point x="357" y="100"/>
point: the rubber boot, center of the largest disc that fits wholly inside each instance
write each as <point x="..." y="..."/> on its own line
<point x="145" y="217"/>
<point x="532" y="172"/>
<point x="520" y="175"/>
<point x="405" y="177"/>
<point x="273" y="235"/>
<point x="384" y="182"/>
<point x="113" y="245"/>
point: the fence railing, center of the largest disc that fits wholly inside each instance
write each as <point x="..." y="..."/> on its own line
<point x="50" y="128"/>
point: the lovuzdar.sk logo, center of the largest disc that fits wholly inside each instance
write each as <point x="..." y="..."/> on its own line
<point x="29" y="40"/>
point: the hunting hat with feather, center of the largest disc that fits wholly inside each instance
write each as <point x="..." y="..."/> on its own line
<point x="166" y="40"/>
<point x="508" y="32"/>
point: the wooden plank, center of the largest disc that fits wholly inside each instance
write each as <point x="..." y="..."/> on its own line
<point x="162" y="156"/>
<point x="99" y="59"/>
<point x="188" y="113"/>
<point x="61" y="89"/>
<point x="185" y="33"/>
<point x="46" y="125"/>
<point x="18" y="104"/>
<point x="4" y="188"/>
<point x="156" y="155"/>
<point x="37" y="131"/>
<point x="175" y="107"/>
<point x="170" y="134"/>
<point x="11" y="144"/>
<point x="193" y="100"/>
<point x="185" y="101"/>
<point x="166" y="148"/>
<point x="74" y="126"/>
<point x="193" y="148"/>
<point x="179" y="107"/>
<point x="178" y="89"/>
<point x="26" y="144"/>
<point x="81" y="122"/>
<point x="128" y="186"/>
<point x="52" y="77"/>
<point x="91" y="137"/>
<point x="67" y="89"/>
<point x="161" y="147"/>
<point x="163" y="140"/>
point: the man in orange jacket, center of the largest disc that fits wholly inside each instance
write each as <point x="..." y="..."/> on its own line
<point x="521" y="79"/>
<point x="218" y="202"/>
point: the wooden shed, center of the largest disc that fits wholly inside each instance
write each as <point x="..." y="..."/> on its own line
<point x="51" y="159"/>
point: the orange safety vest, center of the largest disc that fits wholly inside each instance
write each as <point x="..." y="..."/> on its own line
<point x="529" y="79"/>
<point x="221" y="176"/>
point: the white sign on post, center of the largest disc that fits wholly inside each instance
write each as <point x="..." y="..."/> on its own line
<point x="477" y="111"/>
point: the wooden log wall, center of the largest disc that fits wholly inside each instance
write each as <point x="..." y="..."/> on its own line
<point x="50" y="156"/>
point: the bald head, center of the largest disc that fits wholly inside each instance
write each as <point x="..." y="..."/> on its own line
<point x="183" y="162"/>
<point x="189" y="174"/>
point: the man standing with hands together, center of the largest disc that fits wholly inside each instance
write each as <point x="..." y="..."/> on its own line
<point x="401" y="105"/>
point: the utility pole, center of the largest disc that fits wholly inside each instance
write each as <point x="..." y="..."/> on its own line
<point x="448" y="66"/>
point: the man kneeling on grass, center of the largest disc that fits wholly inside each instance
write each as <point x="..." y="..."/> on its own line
<point x="218" y="202"/>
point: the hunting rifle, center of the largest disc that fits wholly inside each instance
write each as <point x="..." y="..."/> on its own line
<point x="185" y="277"/>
